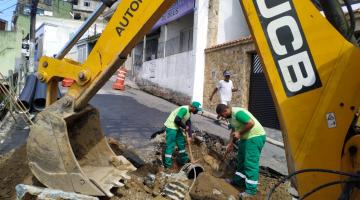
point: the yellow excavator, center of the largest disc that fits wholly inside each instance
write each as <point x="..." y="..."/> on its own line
<point x="312" y="69"/>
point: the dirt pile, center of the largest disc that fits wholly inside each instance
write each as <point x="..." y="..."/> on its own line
<point x="208" y="151"/>
<point x="149" y="181"/>
<point x="211" y="188"/>
<point x="13" y="170"/>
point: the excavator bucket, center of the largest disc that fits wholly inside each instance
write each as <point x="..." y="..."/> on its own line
<point x="67" y="150"/>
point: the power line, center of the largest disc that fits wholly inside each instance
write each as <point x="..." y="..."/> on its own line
<point x="7" y="8"/>
<point x="5" y="1"/>
<point x="19" y="3"/>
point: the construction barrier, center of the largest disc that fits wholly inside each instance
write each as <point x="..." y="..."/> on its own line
<point x="120" y="79"/>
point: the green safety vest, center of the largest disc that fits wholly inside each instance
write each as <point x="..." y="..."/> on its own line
<point x="170" y="120"/>
<point x="256" y="130"/>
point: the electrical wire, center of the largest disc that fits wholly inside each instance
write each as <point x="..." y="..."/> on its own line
<point x="8" y="8"/>
<point x="352" y="19"/>
<point x="268" y="196"/>
<point x="325" y="186"/>
<point x="20" y="2"/>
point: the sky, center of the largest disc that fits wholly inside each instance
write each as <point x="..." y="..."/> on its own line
<point x="8" y="13"/>
<point x="7" y="8"/>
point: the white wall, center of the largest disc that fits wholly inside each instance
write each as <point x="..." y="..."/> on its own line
<point x="200" y="42"/>
<point x="71" y="25"/>
<point x="57" y="32"/>
<point x="174" y="72"/>
<point x="232" y="23"/>
<point x="91" y="8"/>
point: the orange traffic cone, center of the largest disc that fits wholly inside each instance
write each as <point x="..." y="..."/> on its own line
<point x="120" y="79"/>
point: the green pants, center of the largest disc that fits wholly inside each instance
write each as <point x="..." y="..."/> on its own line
<point x="173" y="138"/>
<point x="247" y="173"/>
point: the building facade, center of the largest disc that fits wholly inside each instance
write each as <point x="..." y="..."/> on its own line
<point x="53" y="8"/>
<point x="83" y="8"/>
<point x="170" y="61"/>
<point x="10" y="45"/>
<point x="53" y="33"/>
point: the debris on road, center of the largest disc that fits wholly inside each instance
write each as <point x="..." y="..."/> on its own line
<point x="150" y="182"/>
<point x="26" y="192"/>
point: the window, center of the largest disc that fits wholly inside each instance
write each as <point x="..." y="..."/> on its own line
<point x="77" y="16"/>
<point x="186" y="40"/>
<point x="82" y="54"/>
<point x="87" y="4"/>
<point x="2" y="25"/>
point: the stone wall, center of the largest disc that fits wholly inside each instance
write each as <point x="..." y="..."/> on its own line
<point x="213" y="22"/>
<point x="236" y="57"/>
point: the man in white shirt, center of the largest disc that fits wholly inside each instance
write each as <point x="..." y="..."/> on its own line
<point x="225" y="88"/>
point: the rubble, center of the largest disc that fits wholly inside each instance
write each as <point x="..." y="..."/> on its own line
<point x="27" y="192"/>
<point x="210" y="188"/>
<point x="150" y="182"/>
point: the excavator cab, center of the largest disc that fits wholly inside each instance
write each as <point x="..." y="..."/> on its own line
<point x="66" y="147"/>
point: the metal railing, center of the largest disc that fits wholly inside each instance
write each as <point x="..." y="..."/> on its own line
<point x="13" y="101"/>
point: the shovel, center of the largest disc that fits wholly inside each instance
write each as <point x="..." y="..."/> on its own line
<point x="191" y="169"/>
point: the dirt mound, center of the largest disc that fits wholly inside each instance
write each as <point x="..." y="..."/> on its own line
<point x="13" y="170"/>
<point x="206" y="150"/>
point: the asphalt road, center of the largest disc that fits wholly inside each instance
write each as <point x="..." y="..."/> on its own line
<point x="133" y="115"/>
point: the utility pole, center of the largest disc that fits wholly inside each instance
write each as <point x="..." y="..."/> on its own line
<point x="33" y="11"/>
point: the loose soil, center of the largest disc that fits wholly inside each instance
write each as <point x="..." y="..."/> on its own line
<point x="13" y="170"/>
<point x="207" y="151"/>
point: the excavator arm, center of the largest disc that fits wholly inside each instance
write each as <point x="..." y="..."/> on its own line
<point x="66" y="147"/>
<point x="313" y="73"/>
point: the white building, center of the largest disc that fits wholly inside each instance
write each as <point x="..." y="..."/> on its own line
<point x="53" y="33"/>
<point x="170" y="63"/>
<point x="83" y="8"/>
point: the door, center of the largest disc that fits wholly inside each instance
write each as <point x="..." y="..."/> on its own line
<point x="261" y="104"/>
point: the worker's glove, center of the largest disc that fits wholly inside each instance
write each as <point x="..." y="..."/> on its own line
<point x="230" y="147"/>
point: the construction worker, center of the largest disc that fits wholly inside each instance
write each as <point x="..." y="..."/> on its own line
<point x="249" y="136"/>
<point x="178" y="122"/>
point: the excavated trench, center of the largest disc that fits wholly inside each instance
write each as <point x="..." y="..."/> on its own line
<point x="149" y="182"/>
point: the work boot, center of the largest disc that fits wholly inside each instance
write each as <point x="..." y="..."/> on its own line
<point x="233" y="183"/>
<point x="167" y="170"/>
<point x="245" y="195"/>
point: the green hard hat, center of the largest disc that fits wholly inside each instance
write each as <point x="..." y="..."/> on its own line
<point x="197" y="105"/>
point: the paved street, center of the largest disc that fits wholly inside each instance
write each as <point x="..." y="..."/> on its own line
<point x="133" y="115"/>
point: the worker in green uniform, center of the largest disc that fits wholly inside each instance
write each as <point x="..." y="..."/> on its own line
<point x="178" y="122"/>
<point x="249" y="135"/>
